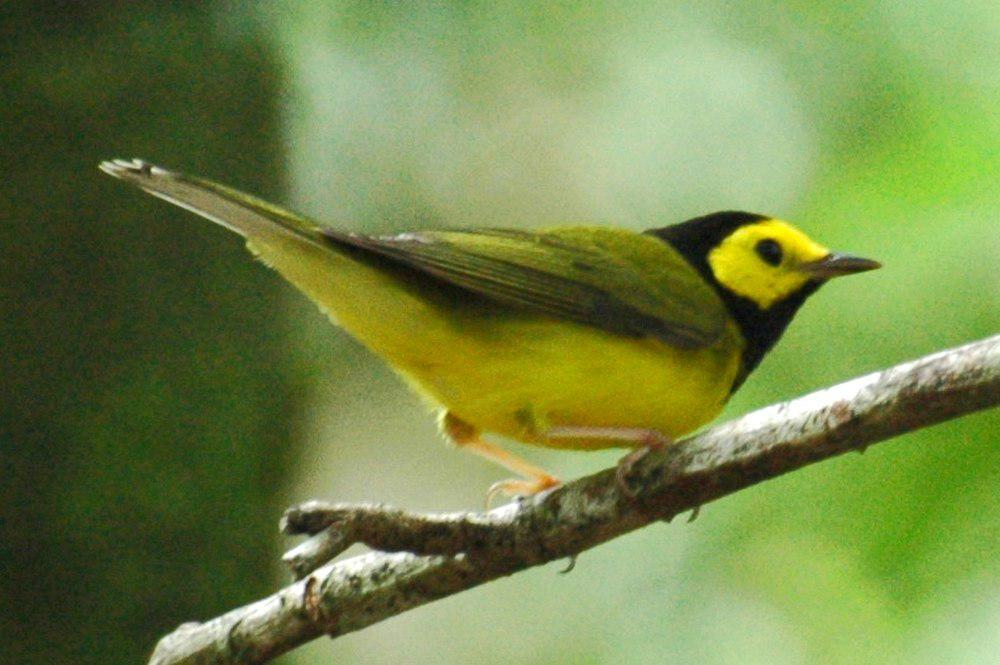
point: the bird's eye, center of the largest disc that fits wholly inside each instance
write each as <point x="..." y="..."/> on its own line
<point x="769" y="250"/>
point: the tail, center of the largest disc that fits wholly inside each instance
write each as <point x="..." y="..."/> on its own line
<point x="293" y="245"/>
<point x="256" y="220"/>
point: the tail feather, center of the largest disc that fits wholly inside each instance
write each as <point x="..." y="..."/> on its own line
<point x="251" y="217"/>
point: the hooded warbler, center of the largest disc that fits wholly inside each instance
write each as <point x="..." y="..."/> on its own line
<point x="577" y="337"/>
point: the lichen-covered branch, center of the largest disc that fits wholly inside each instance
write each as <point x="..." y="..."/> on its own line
<point x="426" y="557"/>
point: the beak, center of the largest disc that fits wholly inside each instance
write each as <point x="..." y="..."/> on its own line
<point x="836" y="265"/>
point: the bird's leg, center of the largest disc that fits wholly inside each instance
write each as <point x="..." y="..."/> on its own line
<point x="644" y="440"/>
<point x="465" y="436"/>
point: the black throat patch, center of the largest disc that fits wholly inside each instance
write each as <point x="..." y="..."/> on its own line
<point x="761" y="329"/>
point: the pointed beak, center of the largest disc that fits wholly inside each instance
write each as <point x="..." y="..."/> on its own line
<point x="836" y="265"/>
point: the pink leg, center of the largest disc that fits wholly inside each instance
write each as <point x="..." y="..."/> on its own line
<point x="535" y="479"/>
<point x="639" y="437"/>
<point x="644" y="440"/>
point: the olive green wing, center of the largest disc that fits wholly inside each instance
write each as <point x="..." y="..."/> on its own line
<point x="612" y="279"/>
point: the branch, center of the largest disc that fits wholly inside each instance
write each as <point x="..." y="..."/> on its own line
<point x="427" y="557"/>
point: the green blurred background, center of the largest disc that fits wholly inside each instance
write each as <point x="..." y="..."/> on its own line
<point x="162" y="396"/>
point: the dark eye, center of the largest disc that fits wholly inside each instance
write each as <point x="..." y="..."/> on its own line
<point x="769" y="250"/>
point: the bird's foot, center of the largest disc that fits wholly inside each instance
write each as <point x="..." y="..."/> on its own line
<point x="651" y="442"/>
<point x="520" y="487"/>
<point x="534" y="478"/>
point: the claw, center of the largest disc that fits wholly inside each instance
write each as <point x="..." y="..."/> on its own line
<point x="571" y="565"/>
<point x="514" y="487"/>
<point x="654" y="441"/>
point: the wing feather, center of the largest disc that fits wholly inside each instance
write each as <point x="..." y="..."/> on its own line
<point x="615" y="280"/>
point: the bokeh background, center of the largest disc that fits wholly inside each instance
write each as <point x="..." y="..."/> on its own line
<point x="163" y="397"/>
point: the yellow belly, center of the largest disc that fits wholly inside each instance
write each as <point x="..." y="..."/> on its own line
<point x="532" y="374"/>
<point x="517" y="375"/>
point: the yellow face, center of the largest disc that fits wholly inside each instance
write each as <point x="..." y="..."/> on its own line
<point x="763" y="261"/>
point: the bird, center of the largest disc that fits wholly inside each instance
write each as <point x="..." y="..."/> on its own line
<point x="573" y="337"/>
